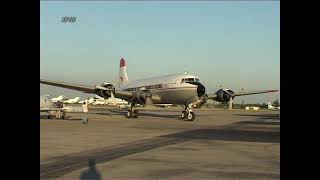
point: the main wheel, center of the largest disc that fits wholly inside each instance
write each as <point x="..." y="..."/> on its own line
<point x="183" y="114"/>
<point x="135" y="113"/>
<point x="129" y="114"/>
<point x="63" y="115"/>
<point x="191" y="116"/>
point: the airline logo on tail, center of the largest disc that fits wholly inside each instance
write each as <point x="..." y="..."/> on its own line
<point x="123" y="77"/>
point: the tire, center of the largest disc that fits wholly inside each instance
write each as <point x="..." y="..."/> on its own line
<point x="191" y="116"/>
<point x="183" y="115"/>
<point x="63" y="115"/>
<point x="135" y="113"/>
<point x="129" y="114"/>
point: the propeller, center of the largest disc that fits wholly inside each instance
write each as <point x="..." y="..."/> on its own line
<point x="231" y="96"/>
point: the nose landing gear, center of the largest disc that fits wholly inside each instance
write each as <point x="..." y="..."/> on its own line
<point x="188" y="114"/>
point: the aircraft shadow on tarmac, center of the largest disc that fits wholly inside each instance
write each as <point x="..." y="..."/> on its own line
<point x="71" y="162"/>
<point x="68" y="118"/>
<point x="140" y="114"/>
<point x="147" y="114"/>
<point x="262" y="116"/>
<point x="229" y="135"/>
<point x="259" y="122"/>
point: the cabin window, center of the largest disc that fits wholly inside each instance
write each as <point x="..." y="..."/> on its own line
<point x="183" y="81"/>
<point x="197" y="80"/>
<point x="190" y="79"/>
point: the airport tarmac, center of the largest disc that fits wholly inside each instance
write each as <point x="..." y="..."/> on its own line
<point x="219" y="144"/>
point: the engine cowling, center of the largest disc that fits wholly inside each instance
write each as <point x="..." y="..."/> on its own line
<point x="224" y="95"/>
<point x="106" y="93"/>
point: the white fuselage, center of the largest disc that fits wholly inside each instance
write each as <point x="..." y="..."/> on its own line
<point x="170" y="89"/>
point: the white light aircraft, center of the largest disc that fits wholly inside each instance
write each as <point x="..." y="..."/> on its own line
<point x="56" y="99"/>
<point x="272" y="107"/>
<point x="180" y="89"/>
<point x="46" y="105"/>
<point x="116" y="102"/>
<point x="72" y="101"/>
<point x="58" y="109"/>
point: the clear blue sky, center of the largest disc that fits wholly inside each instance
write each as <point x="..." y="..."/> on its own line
<point x="234" y="44"/>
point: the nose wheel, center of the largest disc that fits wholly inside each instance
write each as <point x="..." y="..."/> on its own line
<point x="188" y="114"/>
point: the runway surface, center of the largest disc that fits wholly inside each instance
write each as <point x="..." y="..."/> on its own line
<point x="219" y="144"/>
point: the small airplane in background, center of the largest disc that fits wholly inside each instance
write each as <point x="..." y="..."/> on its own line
<point x="116" y="102"/>
<point x="56" y="108"/>
<point x="272" y="107"/>
<point x="89" y="101"/>
<point x="179" y="89"/>
<point x="72" y="101"/>
<point x="57" y="99"/>
<point x="163" y="105"/>
<point x="46" y="105"/>
<point x="111" y="101"/>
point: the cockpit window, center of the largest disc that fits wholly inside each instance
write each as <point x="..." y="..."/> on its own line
<point x="190" y="79"/>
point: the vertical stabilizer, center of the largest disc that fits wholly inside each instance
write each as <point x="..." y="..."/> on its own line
<point x="123" y="77"/>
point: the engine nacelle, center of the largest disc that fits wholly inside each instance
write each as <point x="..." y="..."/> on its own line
<point x="106" y="93"/>
<point x="224" y="95"/>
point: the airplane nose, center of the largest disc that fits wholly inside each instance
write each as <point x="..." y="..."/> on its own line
<point x="201" y="90"/>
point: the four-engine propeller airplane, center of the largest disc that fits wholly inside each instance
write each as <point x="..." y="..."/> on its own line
<point x="180" y="89"/>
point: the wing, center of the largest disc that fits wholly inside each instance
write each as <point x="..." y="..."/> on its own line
<point x="214" y="96"/>
<point x="87" y="89"/>
<point x="253" y="92"/>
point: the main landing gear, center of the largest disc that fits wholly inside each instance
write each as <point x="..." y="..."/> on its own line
<point x="132" y="113"/>
<point x="187" y="113"/>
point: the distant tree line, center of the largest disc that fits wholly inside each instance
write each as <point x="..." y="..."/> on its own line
<point x="240" y="106"/>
